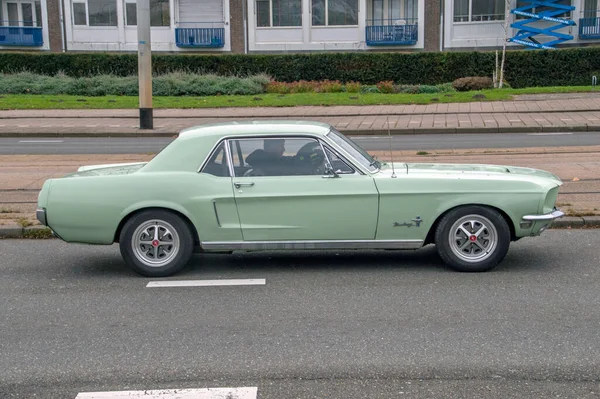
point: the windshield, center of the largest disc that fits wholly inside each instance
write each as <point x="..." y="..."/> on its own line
<point x="353" y="149"/>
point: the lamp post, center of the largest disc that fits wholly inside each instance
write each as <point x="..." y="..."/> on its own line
<point x="144" y="64"/>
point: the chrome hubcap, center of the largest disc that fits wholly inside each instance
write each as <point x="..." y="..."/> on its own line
<point x="155" y="243"/>
<point x="473" y="238"/>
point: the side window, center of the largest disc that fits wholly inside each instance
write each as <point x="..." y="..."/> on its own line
<point x="217" y="164"/>
<point x="339" y="165"/>
<point x="277" y="156"/>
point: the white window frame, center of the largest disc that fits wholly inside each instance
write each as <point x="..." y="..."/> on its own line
<point x="125" y="2"/>
<point x="87" y="16"/>
<point x="20" y="20"/>
<point x="271" y="26"/>
<point x="326" y="25"/>
<point x="470" y="18"/>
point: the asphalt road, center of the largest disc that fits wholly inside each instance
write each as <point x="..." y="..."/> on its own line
<point x="115" y="145"/>
<point x="325" y="325"/>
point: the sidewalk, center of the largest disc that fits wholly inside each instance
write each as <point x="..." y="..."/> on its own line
<point x="528" y="113"/>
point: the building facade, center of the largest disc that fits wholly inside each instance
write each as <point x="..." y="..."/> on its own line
<point x="279" y="26"/>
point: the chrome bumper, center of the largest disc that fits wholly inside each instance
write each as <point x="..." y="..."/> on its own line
<point x="40" y="215"/>
<point x="547" y="216"/>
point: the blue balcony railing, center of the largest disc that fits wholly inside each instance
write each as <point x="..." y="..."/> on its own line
<point x="589" y="28"/>
<point x="11" y="34"/>
<point x="384" y="32"/>
<point x="200" y="35"/>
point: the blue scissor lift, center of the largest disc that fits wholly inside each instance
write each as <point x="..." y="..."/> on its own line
<point x="550" y="13"/>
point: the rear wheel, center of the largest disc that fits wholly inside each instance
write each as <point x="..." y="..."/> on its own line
<point x="156" y="243"/>
<point x="472" y="238"/>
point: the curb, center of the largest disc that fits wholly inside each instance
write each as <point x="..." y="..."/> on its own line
<point x="42" y="232"/>
<point x="349" y="132"/>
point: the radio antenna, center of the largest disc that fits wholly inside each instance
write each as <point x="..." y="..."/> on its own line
<point x="391" y="152"/>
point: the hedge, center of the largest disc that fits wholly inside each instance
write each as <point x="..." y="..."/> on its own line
<point x="524" y="68"/>
<point x="171" y="84"/>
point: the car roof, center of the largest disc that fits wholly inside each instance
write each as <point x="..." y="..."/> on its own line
<point x="256" y="127"/>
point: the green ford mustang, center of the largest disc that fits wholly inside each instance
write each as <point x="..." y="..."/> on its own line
<point x="294" y="185"/>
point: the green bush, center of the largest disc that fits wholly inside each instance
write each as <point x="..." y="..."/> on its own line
<point x="473" y="83"/>
<point x="171" y="84"/>
<point x="353" y="87"/>
<point x="524" y="68"/>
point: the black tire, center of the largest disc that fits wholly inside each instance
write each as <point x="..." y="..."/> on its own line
<point x="482" y="252"/>
<point x="133" y="253"/>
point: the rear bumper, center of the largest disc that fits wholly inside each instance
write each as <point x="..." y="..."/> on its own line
<point x="40" y="215"/>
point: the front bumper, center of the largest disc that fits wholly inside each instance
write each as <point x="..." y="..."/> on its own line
<point x="547" y="216"/>
<point x="539" y="223"/>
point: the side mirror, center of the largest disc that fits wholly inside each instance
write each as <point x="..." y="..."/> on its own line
<point x="330" y="172"/>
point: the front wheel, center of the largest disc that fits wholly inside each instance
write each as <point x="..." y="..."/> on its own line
<point x="156" y="243"/>
<point x="472" y="238"/>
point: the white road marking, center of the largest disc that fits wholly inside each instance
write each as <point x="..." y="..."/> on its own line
<point x="41" y="141"/>
<point x="547" y="134"/>
<point x="206" y="283"/>
<point x="204" y="393"/>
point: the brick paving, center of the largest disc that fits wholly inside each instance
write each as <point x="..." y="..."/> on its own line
<point x="540" y="113"/>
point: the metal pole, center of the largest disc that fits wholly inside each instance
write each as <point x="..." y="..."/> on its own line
<point x="144" y="64"/>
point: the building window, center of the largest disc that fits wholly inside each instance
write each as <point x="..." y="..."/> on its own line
<point x="536" y="10"/>
<point x="278" y="13"/>
<point x="334" y="12"/>
<point x="160" y="13"/>
<point x="79" y="14"/>
<point x="591" y="8"/>
<point x="95" y="12"/>
<point x="479" y="10"/>
<point x="21" y="14"/>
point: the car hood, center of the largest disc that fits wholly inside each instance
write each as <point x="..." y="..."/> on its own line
<point x="108" y="169"/>
<point x="488" y="171"/>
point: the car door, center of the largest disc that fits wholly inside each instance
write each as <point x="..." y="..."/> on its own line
<point x="296" y="200"/>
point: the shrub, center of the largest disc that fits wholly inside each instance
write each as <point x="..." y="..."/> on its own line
<point x="524" y="68"/>
<point x="303" y="87"/>
<point x="330" y="87"/>
<point x="473" y="83"/>
<point x="386" y="87"/>
<point x="278" y="88"/>
<point x="170" y="84"/>
<point x="353" y="87"/>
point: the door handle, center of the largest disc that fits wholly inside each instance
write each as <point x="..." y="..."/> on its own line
<point x="238" y="185"/>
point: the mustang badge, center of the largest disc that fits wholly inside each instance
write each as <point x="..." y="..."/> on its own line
<point x="417" y="222"/>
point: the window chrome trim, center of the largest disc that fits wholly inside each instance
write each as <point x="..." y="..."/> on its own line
<point x="310" y="244"/>
<point x="324" y="138"/>
<point x="210" y="154"/>
<point x="348" y="156"/>
<point x="344" y="159"/>
<point x="229" y="159"/>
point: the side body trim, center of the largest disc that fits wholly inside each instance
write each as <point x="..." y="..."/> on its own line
<point x="295" y="245"/>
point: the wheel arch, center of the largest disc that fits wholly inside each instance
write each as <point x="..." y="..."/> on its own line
<point x="431" y="233"/>
<point x="131" y="214"/>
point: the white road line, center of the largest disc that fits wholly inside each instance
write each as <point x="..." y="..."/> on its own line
<point x="41" y="141"/>
<point x="204" y="393"/>
<point x="547" y="134"/>
<point x="206" y="283"/>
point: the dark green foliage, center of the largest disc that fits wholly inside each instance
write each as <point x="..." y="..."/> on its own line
<point x="524" y="68"/>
